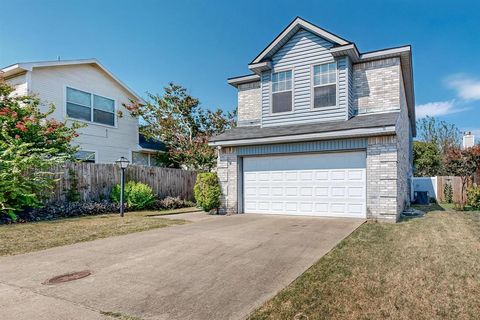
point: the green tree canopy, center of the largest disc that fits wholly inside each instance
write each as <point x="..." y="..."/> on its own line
<point x="427" y="159"/>
<point x="178" y="120"/>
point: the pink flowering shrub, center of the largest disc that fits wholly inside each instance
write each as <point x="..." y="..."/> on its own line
<point x="30" y="143"/>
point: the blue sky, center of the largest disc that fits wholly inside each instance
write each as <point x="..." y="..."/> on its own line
<point x="200" y="44"/>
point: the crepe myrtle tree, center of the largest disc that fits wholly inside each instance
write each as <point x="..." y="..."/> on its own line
<point x="30" y="143"/>
<point x="178" y="120"/>
<point x="462" y="163"/>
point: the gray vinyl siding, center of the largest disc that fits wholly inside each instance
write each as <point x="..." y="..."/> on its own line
<point x="299" y="54"/>
<point x="342" y="100"/>
<point x="351" y="97"/>
<point x="299" y="147"/>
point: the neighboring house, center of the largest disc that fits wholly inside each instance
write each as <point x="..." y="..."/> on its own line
<point x="85" y="91"/>
<point x="323" y="130"/>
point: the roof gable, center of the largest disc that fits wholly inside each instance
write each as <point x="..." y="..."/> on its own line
<point x="29" y="66"/>
<point x="297" y="24"/>
<point x="302" y="42"/>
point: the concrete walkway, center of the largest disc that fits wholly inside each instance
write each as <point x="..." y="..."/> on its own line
<point x="219" y="267"/>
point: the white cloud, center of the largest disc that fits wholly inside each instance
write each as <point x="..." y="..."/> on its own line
<point x="467" y="88"/>
<point x="439" y="108"/>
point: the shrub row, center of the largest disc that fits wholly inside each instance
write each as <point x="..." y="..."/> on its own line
<point x="66" y="209"/>
<point x="138" y="196"/>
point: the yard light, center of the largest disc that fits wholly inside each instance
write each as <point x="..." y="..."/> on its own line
<point x="123" y="164"/>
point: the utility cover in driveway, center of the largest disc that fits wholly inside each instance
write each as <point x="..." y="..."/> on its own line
<point x="328" y="184"/>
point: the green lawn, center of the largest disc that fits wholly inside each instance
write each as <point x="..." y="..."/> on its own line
<point x="423" y="268"/>
<point x="22" y="238"/>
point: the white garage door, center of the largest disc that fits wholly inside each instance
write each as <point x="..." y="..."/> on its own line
<point x="329" y="184"/>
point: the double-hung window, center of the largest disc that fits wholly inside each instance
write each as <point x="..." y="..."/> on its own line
<point x="282" y="91"/>
<point x="325" y="85"/>
<point x="90" y="107"/>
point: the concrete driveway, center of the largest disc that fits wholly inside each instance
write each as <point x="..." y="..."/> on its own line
<point x="217" y="267"/>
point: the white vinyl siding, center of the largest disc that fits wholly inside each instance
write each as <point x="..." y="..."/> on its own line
<point x="19" y="83"/>
<point x="330" y="184"/>
<point x="90" y="107"/>
<point x="110" y="143"/>
<point x="300" y="53"/>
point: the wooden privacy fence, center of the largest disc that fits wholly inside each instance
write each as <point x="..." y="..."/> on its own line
<point x="456" y="183"/>
<point x="95" y="181"/>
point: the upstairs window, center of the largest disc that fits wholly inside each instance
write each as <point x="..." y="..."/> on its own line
<point x="86" y="106"/>
<point x="325" y="85"/>
<point x="282" y="91"/>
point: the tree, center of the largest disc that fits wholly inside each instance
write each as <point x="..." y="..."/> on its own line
<point x="444" y="135"/>
<point x="462" y="163"/>
<point x="30" y="143"/>
<point x="427" y="159"/>
<point x="177" y="119"/>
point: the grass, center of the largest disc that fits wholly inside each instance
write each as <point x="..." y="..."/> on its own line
<point x="424" y="268"/>
<point x="22" y="238"/>
<point x="171" y="212"/>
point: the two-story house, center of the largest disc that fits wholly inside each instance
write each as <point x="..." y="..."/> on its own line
<point x="85" y="91"/>
<point x="323" y="129"/>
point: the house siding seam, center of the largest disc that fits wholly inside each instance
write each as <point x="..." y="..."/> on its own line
<point x="299" y="54"/>
<point x="376" y="86"/>
<point x="249" y="109"/>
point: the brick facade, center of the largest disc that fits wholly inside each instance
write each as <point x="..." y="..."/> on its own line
<point x="249" y="104"/>
<point x="227" y="171"/>
<point x="376" y="86"/>
<point x="382" y="177"/>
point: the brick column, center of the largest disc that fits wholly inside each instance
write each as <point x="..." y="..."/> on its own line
<point x="227" y="175"/>
<point x="382" y="177"/>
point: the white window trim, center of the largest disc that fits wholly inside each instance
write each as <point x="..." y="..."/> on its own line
<point x="313" y="86"/>
<point x="115" y="121"/>
<point x="271" y="113"/>
<point x="89" y="150"/>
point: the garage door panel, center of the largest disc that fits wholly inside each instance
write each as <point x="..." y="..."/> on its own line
<point x="321" y="175"/>
<point x="337" y="175"/>
<point x="312" y="184"/>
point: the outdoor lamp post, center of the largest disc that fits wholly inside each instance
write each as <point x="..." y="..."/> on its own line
<point x="123" y="164"/>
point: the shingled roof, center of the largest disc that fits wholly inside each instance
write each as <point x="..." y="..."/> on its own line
<point x="359" y="122"/>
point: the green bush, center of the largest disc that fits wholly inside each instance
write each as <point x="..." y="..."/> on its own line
<point x="473" y="197"/>
<point x="448" y="192"/>
<point x="207" y="191"/>
<point x="137" y="195"/>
